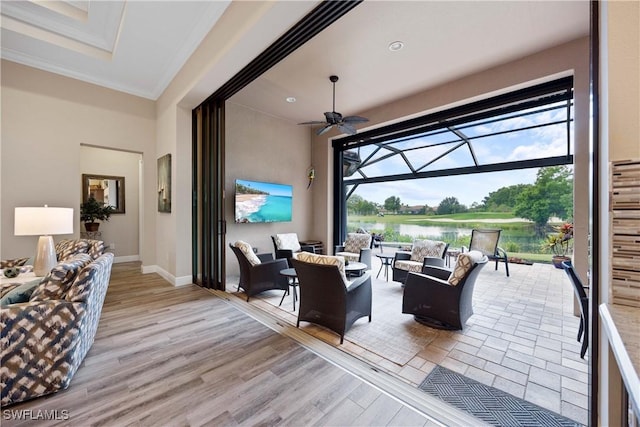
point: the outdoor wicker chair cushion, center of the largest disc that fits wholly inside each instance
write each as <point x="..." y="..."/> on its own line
<point x="427" y="248"/>
<point x="247" y="250"/>
<point x="357" y="241"/>
<point x="464" y="263"/>
<point x="349" y="256"/>
<point x="408" y="265"/>
<point x="288" y="241"/>
<point x="324" y="260"/>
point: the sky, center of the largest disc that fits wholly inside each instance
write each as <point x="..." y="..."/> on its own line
<point x="527" y="143"/>
<point x="431" y="191"/>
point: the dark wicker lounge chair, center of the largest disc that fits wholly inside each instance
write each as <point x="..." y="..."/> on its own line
<point x="435" y="302"/>
<point x="326" y="300"/>
<point x="357" y="248"/>
<point x="423" y="252"/>
<point x="287" y="244"/>
<point x="261" y="277"/>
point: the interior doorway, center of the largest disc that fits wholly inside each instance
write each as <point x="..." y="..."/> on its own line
<point x="121" y="233"/>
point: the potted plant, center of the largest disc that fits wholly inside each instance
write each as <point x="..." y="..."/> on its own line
<point x="560" y="244"/>
<point x="92" y="211"/>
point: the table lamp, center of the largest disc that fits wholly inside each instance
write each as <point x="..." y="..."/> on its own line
<point x="43" y="222"/>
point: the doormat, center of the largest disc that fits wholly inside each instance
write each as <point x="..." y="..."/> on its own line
<point x="489" y="404"/>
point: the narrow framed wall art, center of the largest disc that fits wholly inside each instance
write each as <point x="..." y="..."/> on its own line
<point x="164" y="183"/>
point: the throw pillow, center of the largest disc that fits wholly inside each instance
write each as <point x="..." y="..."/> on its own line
<point x="7" y="287"/>
<point x="464" y="263"/>
<point x="96" y="248"/>
<point x="67" y="248"/>
<point x="19" y="294"/>
<point x="247" y="250"/>
<point x="6" y="263"/>
<point x="427" y="248"/>
<point x="56" y="284"/>
<point x="324" y="260"/>
<point x="288" y="241"/>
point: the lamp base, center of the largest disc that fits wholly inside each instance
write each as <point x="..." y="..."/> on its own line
<point x="45" y="256"/>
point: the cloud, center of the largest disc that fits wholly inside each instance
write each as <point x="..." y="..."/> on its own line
<point x="534" y="143"/>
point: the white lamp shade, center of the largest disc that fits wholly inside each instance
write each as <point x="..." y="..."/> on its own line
<point x="43" y="221"/>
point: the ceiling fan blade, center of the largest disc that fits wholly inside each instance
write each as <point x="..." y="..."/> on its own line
<point x="333" y="117"/>
<point x="355" y="119"/>
<point x="347" y="128"/>
<point x="324" y="129"/>
<point x="313" y="122"/>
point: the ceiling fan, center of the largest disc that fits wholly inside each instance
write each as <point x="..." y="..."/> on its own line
<point x="344" y="124"/>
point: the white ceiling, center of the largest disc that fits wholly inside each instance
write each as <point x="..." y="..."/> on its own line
<point x="131" y="46"/>
<point x="443" y="40"/>
<point x="138" y="46"/>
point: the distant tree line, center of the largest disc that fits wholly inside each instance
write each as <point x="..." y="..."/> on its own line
<point x="550" y="195"/>
<point x="243" y="189"/>
<point x="358" y="206"/>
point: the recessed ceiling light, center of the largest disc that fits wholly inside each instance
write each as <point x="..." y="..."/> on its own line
<point x="291" y="99"/>
<point x="396" y="46"/>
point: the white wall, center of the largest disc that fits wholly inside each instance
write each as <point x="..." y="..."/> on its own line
<point x="263" y="148"/>
<point x="243" y="32"/>
<point x="45" y="119"/>
<point x="121" y="230"/>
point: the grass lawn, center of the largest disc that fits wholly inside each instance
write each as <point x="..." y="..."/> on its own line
<point x="483" y="219"/>
<point x="540" y="258"/>
<point x="517" y="239"/>
<point x="404" y="219"/>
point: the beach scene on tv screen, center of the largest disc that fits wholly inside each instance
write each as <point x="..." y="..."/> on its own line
<point x="263" y="201"/>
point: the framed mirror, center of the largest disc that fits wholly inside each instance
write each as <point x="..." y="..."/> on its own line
<point x="104" y="188"/>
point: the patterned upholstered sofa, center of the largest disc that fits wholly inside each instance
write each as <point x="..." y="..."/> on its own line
<point x="423" y="252"/>
<point x="45" y="339"/>
<point x="65" y="249"/>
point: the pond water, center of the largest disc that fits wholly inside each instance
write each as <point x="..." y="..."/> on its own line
<point x="521" y="237"/>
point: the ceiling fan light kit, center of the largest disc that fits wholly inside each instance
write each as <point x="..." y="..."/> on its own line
<point x="333" y="118"/>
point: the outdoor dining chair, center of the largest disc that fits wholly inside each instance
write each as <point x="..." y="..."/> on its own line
<point x="581" y="295"/>
<point x="486" y="241"/>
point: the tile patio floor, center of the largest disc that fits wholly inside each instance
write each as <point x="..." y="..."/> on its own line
<point x="521" y="338"/>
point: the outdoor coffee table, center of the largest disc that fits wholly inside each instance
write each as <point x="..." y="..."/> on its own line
<point x="355" y="268"/>
<point x="386" y="260"/>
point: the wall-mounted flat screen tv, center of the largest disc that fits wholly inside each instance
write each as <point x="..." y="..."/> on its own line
<point x="263" y="201"/>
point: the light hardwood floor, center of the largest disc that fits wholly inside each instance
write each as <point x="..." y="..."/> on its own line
<point x="167" y="356"/>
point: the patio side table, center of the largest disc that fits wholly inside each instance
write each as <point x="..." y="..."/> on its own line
<point x="386" y="260"/>
<point x="452" y="254"/>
